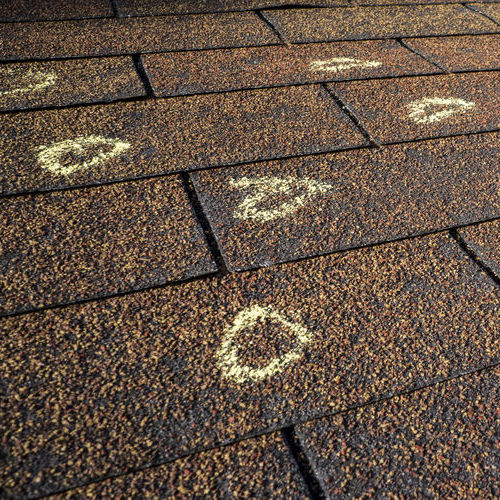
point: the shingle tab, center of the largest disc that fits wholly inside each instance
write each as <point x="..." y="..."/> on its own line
<point x="461" y="53"/>
<point x="261" y="467"/>
<point x="491" y="10"/>
<point x="60" y="83"/>
<point x="278" y="211"/>
<point x="94" y="37"/>
<point x="320" y="25"/>
<point x="484" y="240"/>
<point x="38" y="10"/>
<point x="423" y="107"/>
<point x="62" y="247"/>
<point x="179" y="73"/>
<point x="439" y="442"/>
<point x="100" y="388"/>
<point x="169" y="135"/>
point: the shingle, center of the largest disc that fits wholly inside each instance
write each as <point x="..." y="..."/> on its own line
<point x="94" y="37"/>
<point x="319" y="25"/>
<point x="459" y="53"/>
<point x="171" y="135"/>
<point x="491" y="10"/>
<point x="484" y="240"/>
<point x="101" y="388"/>
<point x="178" y="73"/>
<point x="60" y="83"/>
<point x="62" y="247"/>
<point x="261" y="467"/>
<point x="277" y="211"/>
<point x="422" y="107"/>
<point x="439" y="442"/>
<point x="37" y="10"/>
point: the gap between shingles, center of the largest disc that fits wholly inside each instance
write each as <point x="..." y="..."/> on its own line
<point x="422" y="55"/>
<point x="480" y="12"/>
<point x="272" y="430"/>
<point x="272" y="26"/>
<point x="473" y="256"/>
<point x="351" y="114"/>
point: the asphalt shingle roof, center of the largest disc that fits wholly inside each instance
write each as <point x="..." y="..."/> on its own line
<point x="249" y="249"/>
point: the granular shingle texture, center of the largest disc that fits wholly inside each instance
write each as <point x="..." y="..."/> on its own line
<point x="110" y="386"/>
<point x="277" y="211"/>
<point x="261" y="467"/>
<point x="94" y="37"/>
<point x="60" y="83"/>
<point x="158" y="136"/>
<point x="439" y="442"/>
<point x="320" y="25"/>
<point x="178" y="73"/>
<point x="491" y="10"/>
<point x="461" y="53"/>
<point x="484" y="241"/>
<point x="37" y="10"/>
<point x="428" y="106"/>
<point x="79" y="244"/>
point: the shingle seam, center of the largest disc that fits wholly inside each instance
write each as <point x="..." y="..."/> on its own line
<point x="115" y="6"/>
<point x="474" y="257"/>
<point x="305" y="467"/>
<point x="143" y="75"/>
<point x="210" y="238"/>
<point x="351" y="114"/>
<point x="224" y="444"/>
<point x="422" y="55"/>
<point x="281" y="37"/>
<point x="205" y="49"/>
<point x="220" y="272"/>
<point x="480" y="12"/>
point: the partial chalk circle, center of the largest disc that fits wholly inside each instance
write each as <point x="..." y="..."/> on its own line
<point x="98" y="149"/>
<point x="32" y="81"/>
<point x="421" y="111"/>
<point x="268" y="188"/>
<point x="227" y="354"/>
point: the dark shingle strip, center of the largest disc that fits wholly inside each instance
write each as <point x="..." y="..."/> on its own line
<point x="439" y="442"/>
<point x="461" y="53"/>
<point x="317" y="25"/>
<point x="61" y="83"/>
<point x="171" y="135"/>
<point x="179" y="73"/>
<point x="406" y="109"/>
<point x="277" y="211"/>
<point x="101" y="388"/>
<point x="38" y="10"/>
<point x="63" y="247"/>
<point x="96" y="37"/>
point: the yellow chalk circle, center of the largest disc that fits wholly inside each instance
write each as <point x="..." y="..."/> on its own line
<point x="341" y="63"/>
<point x="227" y="354"/>
<point x="36" y="80"/>
<point x="269" y="187"/>
<point x="420" y="110"/>
<point x="51" y="155"/>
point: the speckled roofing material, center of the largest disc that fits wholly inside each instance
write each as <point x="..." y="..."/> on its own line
<point x="249" y="249"/>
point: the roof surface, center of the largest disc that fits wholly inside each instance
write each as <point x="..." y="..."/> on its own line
<point x="249" y="248"/>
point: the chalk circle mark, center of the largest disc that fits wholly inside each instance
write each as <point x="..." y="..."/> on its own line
<point x="36" y="80"/>
<point x="419" y="111"/>
<point x="50" y="156"/>
<point x="227" y="354"/>
<point x="268" y="187"/>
